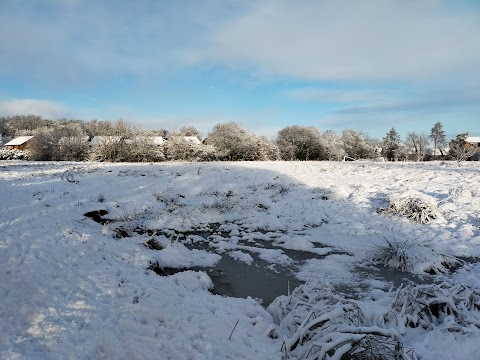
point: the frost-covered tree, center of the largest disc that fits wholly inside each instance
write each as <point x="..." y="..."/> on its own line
<point x="460" y="150"/>
<point x="233" y="143"/>
<point x="438" y="137"/>
<point x="27" y="123"/>
<point x="417" y="143"/>
<point x="72" y="144"/>
<point x="3" y="127"/>
<point x="333" y="146"/>
<point x="111" y="141"/>
<point x="267" y="149"/>
<point x="300" y="143"/>
<point x="179" y="149"/>
<point x="354" y="144"/>
<point x="391" y="145"/>
<point x="190" y="131"/>
<point x="59" y="142"/>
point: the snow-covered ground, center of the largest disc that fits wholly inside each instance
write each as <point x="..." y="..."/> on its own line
<point x="72" y="288"/>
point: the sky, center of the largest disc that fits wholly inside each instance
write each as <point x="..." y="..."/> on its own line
<point x="365" y="65"/>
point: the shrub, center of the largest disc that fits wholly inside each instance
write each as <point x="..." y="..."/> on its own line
<point x="412" y="257"/>
<point x="177" y="148"/>
<point x="300" y="143"/>
<point x="235" y="143"/>
<point x="6" y="154"/>
<point x="416" y="207"/>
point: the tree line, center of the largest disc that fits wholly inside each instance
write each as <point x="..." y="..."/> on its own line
<point x="116" y="141"/>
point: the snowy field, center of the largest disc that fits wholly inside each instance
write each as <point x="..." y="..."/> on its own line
<point x="75" y="288"/>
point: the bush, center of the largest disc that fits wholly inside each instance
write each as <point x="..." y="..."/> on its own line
<point x="412" y="257"/>
<point x="417" y="207"/>
<point x="6" y="154"/>
<point x="234" y="143"/>
<point x="177" y="148"/>
<point x="300" y="143"/>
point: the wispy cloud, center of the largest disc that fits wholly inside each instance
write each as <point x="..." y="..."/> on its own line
<point x="313" y="40"/>
<point x="351" y="40"/>
<point x="350" y="60"/>
<point x="322" y="95"/>
<point x="44" y="108"/>
<point x="78" y="41"/>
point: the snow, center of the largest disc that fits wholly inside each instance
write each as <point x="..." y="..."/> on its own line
<point x="19" y="141"/>
<point x="72" y="288"/>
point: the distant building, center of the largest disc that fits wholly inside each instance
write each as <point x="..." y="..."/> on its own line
<point x="192" y="140"/>
<point x="154" y="140"/>
<point x="105" y="140"/>
<point x="19" y="143"/>
<point x="475" y="141"/>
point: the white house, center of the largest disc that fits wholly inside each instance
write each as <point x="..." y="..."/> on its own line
<point x="192" y="140"/>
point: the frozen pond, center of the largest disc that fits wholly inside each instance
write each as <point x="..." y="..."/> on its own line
<point x="259" y="278"/>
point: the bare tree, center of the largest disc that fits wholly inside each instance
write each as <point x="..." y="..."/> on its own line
<point x="27" y="123"/>
<point x="300" y="143"/>
<point x="460" y="150"/>
<point x="72" y="144"/>
<point x="417" y="143"/>
<point x="59" y="142"/>
<point x="42" y="146"/>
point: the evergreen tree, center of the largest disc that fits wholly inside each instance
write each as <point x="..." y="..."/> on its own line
<point x="438" y="136"/>
<point x="391" y="143"/>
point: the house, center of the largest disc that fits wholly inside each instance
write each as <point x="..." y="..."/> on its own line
<point x="192" y="140"/>
<point x="110" y="140"/>
<point x="69" y="140"/>
<point x="475" y="141"/>
<point x="153" y="140"/>
<point x="437" y="153"/>
<point x="19" y="143"/>
<point x="105" y="140"/>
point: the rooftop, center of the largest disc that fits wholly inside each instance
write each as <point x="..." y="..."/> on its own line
<point x="19" y="141"/>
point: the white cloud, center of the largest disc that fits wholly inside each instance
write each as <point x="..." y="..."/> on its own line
<point x="351" y="40"/>
<point x="310" y="39"/>
<point x="323" y="95"/>
<point x="45" y="108"/>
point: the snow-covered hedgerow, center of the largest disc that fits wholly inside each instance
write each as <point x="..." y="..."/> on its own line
<point x="417" y="207"/>
<point x="14" y="154"/>
<point x="413" y="257"/>
<point x="318" y="324"/>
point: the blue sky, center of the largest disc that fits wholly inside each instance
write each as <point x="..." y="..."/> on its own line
<point x="345" y="64"/>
